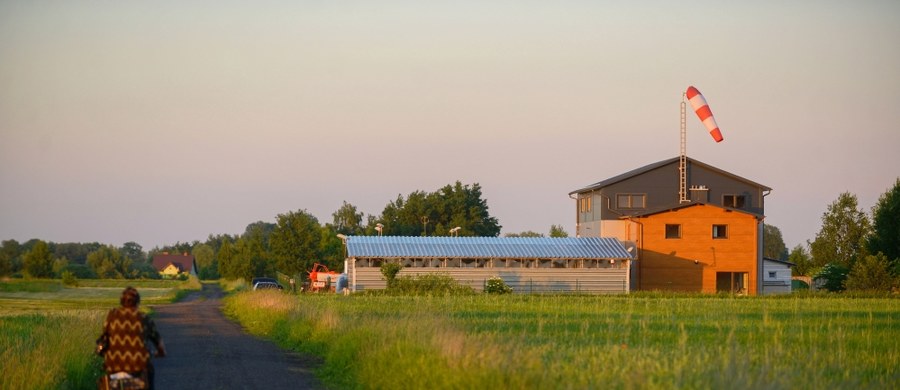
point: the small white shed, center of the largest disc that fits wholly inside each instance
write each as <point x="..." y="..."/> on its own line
<point x="776" y="276"/>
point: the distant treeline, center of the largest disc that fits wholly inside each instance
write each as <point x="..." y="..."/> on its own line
<point x="289" y="245"/>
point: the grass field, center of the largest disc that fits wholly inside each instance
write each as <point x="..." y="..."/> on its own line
<point x="637" y="341"/>
<point x="47" y="330"/>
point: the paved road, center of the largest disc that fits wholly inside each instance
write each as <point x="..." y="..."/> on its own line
<point x="208" y="351"/>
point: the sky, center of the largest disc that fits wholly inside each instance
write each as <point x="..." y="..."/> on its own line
<point x="163" y="122"/>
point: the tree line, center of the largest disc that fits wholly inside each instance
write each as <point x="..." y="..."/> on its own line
<point x="288" y="245"/>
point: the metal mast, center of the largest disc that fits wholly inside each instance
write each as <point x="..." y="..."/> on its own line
<point x="682" y="159"/>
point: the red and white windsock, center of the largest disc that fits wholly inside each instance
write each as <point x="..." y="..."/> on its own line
<point x="698" y="103"/>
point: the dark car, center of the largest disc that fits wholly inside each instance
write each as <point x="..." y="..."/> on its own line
<point x="267" y="285"/>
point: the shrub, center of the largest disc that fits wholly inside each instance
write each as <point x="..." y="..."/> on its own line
<point x="832" y="277"/>
<point x="69" y="279"/>
<point x="390" y="271"/>
<point x="872" y="273"/>
<point x="432" y="285"/>
<point x="496" y="285"/>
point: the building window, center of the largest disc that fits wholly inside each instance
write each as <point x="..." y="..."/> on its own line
<point x="733" y="201"/>
<point x="673" y="231"/>
<point x="732" y="282"/>
<point x="630" y="201"/>
<point x="720" y="231"/>
<point x="584" y="204"/>
<point x="771" y="274"/>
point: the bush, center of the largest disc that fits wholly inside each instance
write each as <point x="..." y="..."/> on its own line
<point x="833" y="277"/>
<point x="390" y="271"/>
<point x="872" y="273"/>
<point x="496" y="285"/>
<point x="69" y="279"/>
<point x="431" y="285"/>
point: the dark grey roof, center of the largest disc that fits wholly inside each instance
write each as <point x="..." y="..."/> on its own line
<point x="788" y="263"/>
<point x="659" y="164"/>
<point x="486" y="247"/>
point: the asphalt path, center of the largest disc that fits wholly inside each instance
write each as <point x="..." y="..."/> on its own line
<point x="206" y="350"/>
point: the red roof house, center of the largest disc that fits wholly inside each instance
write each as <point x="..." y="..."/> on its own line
<point x="169" y="264"/>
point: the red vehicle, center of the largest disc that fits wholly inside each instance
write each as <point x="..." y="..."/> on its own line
<point x="321" y="278"/>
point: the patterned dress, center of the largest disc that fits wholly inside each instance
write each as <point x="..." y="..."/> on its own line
<point x="126" y="330"/>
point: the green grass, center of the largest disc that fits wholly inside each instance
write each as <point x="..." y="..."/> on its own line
<point x="47" y="330"/>
<point x="639" y="341"/>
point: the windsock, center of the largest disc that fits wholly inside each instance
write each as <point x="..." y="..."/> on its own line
<point x="698" y="103"/>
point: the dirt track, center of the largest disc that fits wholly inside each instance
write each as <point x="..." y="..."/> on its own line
<point x="208" y="351"/>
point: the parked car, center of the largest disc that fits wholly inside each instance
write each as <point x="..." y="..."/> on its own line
<point x="266" y="286"/>
<point x="263" y="279"/>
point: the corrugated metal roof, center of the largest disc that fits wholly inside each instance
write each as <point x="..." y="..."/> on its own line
<point x="486" y="247"/>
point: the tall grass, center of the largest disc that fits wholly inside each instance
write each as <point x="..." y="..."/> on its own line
<point x="50" y="351"/>
<point x="653" y="341"/>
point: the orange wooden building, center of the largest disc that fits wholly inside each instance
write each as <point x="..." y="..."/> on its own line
<point x="699" y="247"/>
<point x="712" y="242"/>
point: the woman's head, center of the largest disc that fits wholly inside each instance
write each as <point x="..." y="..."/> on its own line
<point x="130" y="297"/>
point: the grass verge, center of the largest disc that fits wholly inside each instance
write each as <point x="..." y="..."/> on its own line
<point x="653" y="341"/>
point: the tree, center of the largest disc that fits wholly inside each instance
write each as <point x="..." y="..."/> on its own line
<point x="407" y="217"/>
<point x="239" y="261"/>
<point x="108" y="262"/>
<point x="802" y="261"/>
<point x="260" y="230"/>
<point x="227" y="260"/>
<point x="773" y="244"/>
<point x="331" y="249"/>
<point x="6" y="265"/>
<point x="38" y="262"/>
<point x="347" y="220"/>
<point x="558" y="231"/>
<point x="203" y="255"/>
<point x="845" y="229"/>
<point x="295" y="241"/>
<point x="254" y="251"/>
<point x="434" y="214"/>
<point x="463" y="206"/>
<point x="133" y="251"/>
<point x="871" y="273"/>
<point x="59" y="266"/>
<point x="9" y="255"/>
<point x="886" y="227"/>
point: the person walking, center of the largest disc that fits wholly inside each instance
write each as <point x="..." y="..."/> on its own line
<point x="127" y="330"/>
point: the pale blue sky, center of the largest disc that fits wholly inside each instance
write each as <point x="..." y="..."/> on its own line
<point x="167" y="121"/>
